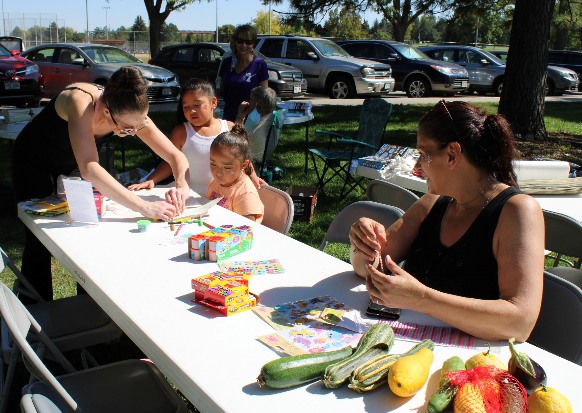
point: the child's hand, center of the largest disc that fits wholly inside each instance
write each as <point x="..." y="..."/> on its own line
<point x="149" y="184"/>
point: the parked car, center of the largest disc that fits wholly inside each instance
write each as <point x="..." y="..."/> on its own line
<point x="326" y="66"/>
<point x="12" y="43"/>
<point x="569" y="59"/>
<point x="202" y="60"/>
<point x="21" y="80"/>
<point x="486" y="71"/>
<point x="64" y="63"/>
<point x="559" y="79"/>
<point x="413" y="71"/>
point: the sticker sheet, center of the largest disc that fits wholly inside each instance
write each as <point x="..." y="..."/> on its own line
<point x="311" y="326"/>
<point x="272" y="266"/>
<point x="323" y="324"/>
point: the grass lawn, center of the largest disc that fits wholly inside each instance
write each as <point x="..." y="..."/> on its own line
<point x="561" y="117"/>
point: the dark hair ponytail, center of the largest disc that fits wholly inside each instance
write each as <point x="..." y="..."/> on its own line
<point x="126" y="91"/>
<point x="486" y="140"/>
<point x="237" y="140"/>
<point x="498" y="149"/>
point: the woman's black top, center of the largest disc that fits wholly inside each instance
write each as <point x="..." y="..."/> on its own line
<point x="43" y="151"/>
<point x="468" y="267"/>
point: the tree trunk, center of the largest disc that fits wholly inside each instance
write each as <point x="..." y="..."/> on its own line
<point x="523" y="96"/>
<point x="155" y="29"/>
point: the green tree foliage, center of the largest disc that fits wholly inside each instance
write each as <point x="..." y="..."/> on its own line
<point x="170" y="33"/>
<point x="484" y="24"/>
<point x="225" y="32"/>
<point x="567" y="25"/>
<point x="262" y="24"/>
<point x="345" y="23"/>
<point x="381" y="29"/>
<point x="138" y="30"/>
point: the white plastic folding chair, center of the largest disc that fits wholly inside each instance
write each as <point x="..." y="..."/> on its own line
<point x="390" y="194"/>
<point x="279" y="209"/>
<point x="126" y="386"/>
<point x="339" y="229"/>
<point x="72" y="323"/>
<point x="557" y="328"/>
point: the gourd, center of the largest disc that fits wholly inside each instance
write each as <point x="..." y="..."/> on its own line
<point x="292" y="371"/>
<point x="377" y="340"/>
<point x="441" y="399"/>
<point x="374" y="372"/>
<point x="409" y="374"/>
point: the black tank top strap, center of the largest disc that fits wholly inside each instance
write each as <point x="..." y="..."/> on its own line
<point x="100" y="87"/>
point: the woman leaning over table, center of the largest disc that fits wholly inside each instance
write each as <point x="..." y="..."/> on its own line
<point x="242" y="71"/>
<point x="473" y="246"/>
<point x="62" y="137"/>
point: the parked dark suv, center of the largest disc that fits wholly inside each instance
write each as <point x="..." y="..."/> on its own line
<point x="414" y="72"/>
<point x="202" y="60"/>
<point x="569" y="59"/>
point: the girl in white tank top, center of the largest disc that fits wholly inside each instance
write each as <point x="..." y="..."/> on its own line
<point x="197" y="128"/>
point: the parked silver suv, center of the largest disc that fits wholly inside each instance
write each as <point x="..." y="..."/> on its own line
<point x="326" y="66"/>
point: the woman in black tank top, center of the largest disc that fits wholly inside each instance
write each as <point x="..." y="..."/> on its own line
<point x="61" y="138"/>
<point x="473" y="246"/>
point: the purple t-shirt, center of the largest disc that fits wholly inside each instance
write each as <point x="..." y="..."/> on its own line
<point x="236" y="87"/>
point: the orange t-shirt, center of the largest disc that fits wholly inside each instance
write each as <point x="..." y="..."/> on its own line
<point x="242" y="197"/>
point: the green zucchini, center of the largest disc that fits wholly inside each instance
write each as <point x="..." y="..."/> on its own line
<point x="374" y="373"/>
<point x="295" y="370"/>
<point x="377" y="340"/>
<point x="441" y="399"/>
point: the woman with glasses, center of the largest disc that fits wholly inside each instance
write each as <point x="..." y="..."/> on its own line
<point x="241" y="72"/>
<point x="473" y="246"/>
<point x="63" y="138"/>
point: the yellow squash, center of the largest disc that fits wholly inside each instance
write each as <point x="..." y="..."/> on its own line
<point x="409" y="374"/>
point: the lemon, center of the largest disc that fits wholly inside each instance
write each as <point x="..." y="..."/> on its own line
<point x="548" y="400"/>
<point x="409" y="374"/>
<point x="477" y="397"/>
<point x="485" y="359"/>
<point x="469" y="400"/>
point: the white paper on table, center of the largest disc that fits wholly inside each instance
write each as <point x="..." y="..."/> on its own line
<point x="81" y="201"/>
<point x="200" y="209"/>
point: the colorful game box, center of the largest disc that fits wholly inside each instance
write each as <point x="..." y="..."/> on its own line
<point x="220" y="243"/>
<point x="226" y="292"/>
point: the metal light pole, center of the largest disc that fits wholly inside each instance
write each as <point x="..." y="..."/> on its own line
<point x="106" y="25"/>
<point x="87" y="16"/>
<point x="3" y="20"/>
<point x="216" y="20"/>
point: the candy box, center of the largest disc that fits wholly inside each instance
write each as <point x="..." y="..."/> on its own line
<point x="239" y="305"/>
<point x="225" y="294"/>
<point x="234" y="242"/>
<point x="197" y="247"/>
<point x="203" y="282"/>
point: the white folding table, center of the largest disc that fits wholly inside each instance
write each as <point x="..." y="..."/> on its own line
<point x="143" y="281"/>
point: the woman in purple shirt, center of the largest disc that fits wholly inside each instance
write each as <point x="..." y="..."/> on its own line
<point x="242" y="71"/>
